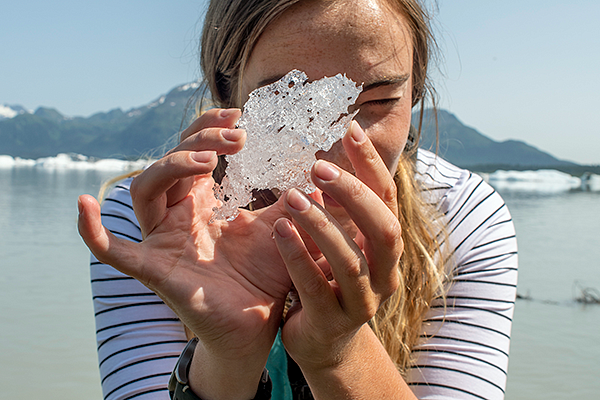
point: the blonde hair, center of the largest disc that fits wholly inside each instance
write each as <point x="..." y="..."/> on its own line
<point x="231" y="29"/>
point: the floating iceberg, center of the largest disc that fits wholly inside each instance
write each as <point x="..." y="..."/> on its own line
<point x="73" y="162"/>
<point x="8" y="162"/>
<point x="542" y="181"/>
<point x="590" y="182"/>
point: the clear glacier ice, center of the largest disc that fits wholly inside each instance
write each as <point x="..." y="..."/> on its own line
<point x="286" y="123"/>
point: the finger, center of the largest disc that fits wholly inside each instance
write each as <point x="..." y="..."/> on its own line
<point x="313" y="288"/>
<point x="179" y="191"/>
<point x="149" y="189"/>
<point x="106" y="247"/>
<point x="348" y="266"/>
<point x="312" y="247"/>
<point x="216" y="117"/>
<point x="310" y="244"/>
<point x="382" y="244"/>
<point x="369" y="166"/>
<point x="278" y="210"/>
<point x="221" y="140"/>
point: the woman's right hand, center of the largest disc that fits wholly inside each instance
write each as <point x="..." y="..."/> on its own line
<point x="225" y="280"/>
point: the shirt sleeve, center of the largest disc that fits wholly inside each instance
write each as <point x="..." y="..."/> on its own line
<point x="463" y="353"/>
<point x="139" y="338"/>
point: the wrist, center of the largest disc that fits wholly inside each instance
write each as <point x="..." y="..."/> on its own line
<point x="318" y="356"/>
<point x="343" y="353"/>
<point x="362" y="369"/>
<point x="214" y="377"/>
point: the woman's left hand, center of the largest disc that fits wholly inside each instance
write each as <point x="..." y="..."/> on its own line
<point x="320" y="327"/>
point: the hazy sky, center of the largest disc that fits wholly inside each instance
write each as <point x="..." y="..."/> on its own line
<point x="512" y="69"/>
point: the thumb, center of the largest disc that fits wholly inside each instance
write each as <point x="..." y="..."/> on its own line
<point x="107" y="248"/>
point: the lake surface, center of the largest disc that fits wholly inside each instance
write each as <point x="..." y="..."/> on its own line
<point x="555" y="347"/>
<point x="47" y="340"/>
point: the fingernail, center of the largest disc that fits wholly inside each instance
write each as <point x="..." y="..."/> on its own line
<point x="233" y="135"/>
<point x="297" y="200"/>
<point x="79" y="207"/>
<point x="203" y="156"/>
<point x="284" y="228"/>
<point x="228" y="112"/>
<point x="358" y="135"/>
<point x="326" y="171"/>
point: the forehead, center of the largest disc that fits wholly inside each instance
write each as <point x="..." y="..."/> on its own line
<point x="363" y="39"/>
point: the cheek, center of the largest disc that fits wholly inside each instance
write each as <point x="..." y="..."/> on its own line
<point x="336" y="155"/>
<point x="389" y="136"/>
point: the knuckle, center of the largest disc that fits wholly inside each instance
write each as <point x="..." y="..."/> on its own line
<point x="367" y="309"/>
<point x="370" y="310"/>
<point x="353" y="268"/>
<point x="391" y="286"/>
<point x="370" y="156"/>
<point x="390" y="193"/>
<point x="359" y="189"/>
<point x="185" y="134"/>
<point x="169" y="162"/>
<point x="315" y="286"/>
<point x="400" y="248"/>
<point x="321" y="222"/>
<point x="295" y="257"/>
<point x="391" y="234"/>
<point x="199" y="138"/>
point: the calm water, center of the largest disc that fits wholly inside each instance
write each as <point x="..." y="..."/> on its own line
<point x="47" y="344"/>
<point x="555" y="348"/>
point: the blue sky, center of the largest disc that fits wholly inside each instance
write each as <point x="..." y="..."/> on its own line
<point x="512" y="69"/>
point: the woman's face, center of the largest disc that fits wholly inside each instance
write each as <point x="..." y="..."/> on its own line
<point x="363" y="39"/>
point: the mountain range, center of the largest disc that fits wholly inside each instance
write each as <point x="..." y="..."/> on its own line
<point x="142" y="131"/>
<point x="151" y="129"/>
<point x="466" y="147"/>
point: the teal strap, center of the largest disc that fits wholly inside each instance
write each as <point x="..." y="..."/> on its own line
<point x="277" y="366"/>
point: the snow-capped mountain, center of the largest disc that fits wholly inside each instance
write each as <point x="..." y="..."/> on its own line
<point x="114" y="133"/>
<point x="11" y="111"/>
<point x="154" y="127"/>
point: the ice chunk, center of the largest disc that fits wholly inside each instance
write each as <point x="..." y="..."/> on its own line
<point x="286" y="123"/>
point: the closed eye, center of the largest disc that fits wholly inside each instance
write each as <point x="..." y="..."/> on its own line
<point x="381" y="102"/>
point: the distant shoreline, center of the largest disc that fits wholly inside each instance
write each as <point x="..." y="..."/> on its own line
<point x="8" y="161"/>
<point x="73" y="161"/>
<point x="574" y="170"/>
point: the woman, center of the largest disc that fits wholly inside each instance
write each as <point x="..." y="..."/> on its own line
<point x="401" y="267"/>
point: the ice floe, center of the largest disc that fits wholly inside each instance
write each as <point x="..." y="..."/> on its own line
<point x="542" y="181"/>
<point x="65" y="161"/>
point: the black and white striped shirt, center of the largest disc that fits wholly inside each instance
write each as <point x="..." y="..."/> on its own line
<point x="462" y="355"/>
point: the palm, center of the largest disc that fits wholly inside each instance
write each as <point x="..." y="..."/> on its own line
<point x="225" y="280"/>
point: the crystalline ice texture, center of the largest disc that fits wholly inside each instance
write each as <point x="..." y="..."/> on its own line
<point x="286" y="123"/>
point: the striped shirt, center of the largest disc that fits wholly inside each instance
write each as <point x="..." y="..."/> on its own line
<point x="463" y="353"/>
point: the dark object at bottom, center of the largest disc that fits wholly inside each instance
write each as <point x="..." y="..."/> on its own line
<point x="300" y="388"/>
